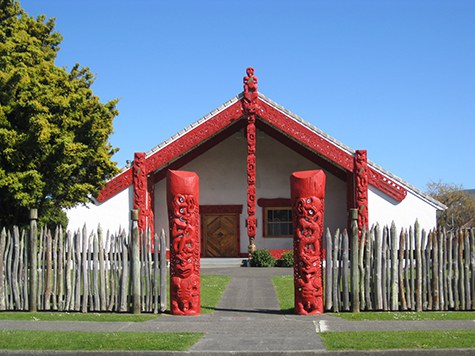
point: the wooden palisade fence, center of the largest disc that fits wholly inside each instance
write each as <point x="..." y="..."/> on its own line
<point x="382" y="269"/>
<point x="80" y="271"/>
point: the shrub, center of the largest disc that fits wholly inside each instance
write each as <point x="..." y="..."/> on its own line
<point x="262" y="258"/>
<point x="287" y="259"/>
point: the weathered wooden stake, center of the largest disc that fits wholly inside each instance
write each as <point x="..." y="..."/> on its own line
<point x="156" y="274"/>
<point x="378" y="294"/>
<point x="461" y="271"/>
<point x="163" y="272"/>
<point x="394" y="269"/>
<point x="33" y="301"/>
<point x="361" y="268"/>
<point x="135" y="233"/>
<point x="466" y="257"/>
<point x="417" y="230"/>
<point x="402" y="290"/>
<point x="441" y="270"/>
<point x="355" y="278"/>
<point x="345" y="265"/>
<point x="328" y="271"/>
<point x="472" y="248"/>
<point x="336" y="277"/>
<point x="368" y="269"/>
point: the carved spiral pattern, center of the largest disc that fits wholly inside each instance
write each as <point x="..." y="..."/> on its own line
<point x="140" y="189"/>
<point x="361" y="180"/>
<point x="184" y="255"/>
<point x="308" y="225"/>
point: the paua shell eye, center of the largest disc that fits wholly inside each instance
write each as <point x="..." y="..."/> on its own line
<point x="309" y="201"/>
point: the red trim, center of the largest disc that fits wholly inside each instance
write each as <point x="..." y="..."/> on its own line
<point x="302" y="150"/>
<point x="198" y="151"/>
<point x="140" y="189"/>
<point x="305" y="136"/>
<point x="274" y="203"/>
<point x="272" y="121"/>
<point x="115" y="185"/>
<point x="195" y="137"/>
<point x="361" y="188"/>
<point x="386" y="185"/>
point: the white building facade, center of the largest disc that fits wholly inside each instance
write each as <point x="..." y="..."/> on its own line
<point x="215" y="147"/>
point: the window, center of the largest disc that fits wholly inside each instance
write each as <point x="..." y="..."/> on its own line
<point x="278" y="222"/>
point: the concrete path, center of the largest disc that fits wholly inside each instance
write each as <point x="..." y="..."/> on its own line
<point x="248" y="318"/>
<point x="248" y="321"/>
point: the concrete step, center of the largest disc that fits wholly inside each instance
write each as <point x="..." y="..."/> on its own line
<point x="218" y="262"/>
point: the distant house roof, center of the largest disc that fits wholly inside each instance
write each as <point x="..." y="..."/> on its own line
<point x="470" y="191"/>
<point x="275" y="120"/>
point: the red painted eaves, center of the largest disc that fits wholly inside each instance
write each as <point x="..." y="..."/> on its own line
<point x="210" y="126"/>
<point x="195" y="136"/>
<point x="176" y="148"/>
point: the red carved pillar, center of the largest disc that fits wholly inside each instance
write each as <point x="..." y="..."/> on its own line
<point x="361" y="188"/>
<point x="184" y="221"/>
<point x="140" y="189"/>
<point x="251" y="106"/>
<point x="307" y="190"/>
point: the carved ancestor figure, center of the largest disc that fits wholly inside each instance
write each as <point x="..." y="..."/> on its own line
<point x="250" y="91"/>
<point x="183" y="210"/>
<point x="308" y="190"/>
<point x="361" y="180"/>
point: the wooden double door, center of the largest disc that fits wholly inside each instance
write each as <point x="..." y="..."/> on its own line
<point x="220" y="232"/>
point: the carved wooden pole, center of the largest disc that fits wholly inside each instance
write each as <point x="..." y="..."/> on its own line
<point x="308" y="202"/>
<point x="361" y="188"/>
<point x="251" y="106"/>
<point x="184" y="222"/>
<point x="140" y="189"/>
<point x="33" y="299"/>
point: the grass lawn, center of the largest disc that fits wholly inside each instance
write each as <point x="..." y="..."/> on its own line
<point x="383" y="340"/>
<point x="426" y="315"/>
<point x="212" y="288"/>
<point x="284" y="288"/>
<point x="69" y="340"/>
<point x="63" y="316"/>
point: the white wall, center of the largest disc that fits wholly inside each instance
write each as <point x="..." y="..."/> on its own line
<point x="384" y="209"/>
<point x="112" y="215"/>
<point x="223" y="180"/>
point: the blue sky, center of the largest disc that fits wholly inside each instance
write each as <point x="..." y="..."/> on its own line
<point x="394" y="77"/>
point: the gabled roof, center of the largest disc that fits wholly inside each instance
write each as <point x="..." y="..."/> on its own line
<point x="278" y="122"/>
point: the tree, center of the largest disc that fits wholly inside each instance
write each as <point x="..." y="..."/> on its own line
<point x="54" y="149"/>
<point x="460" y="204"/>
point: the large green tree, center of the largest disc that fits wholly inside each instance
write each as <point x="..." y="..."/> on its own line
<point x="54" y="148"/>
<point x="460" y="205"/>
